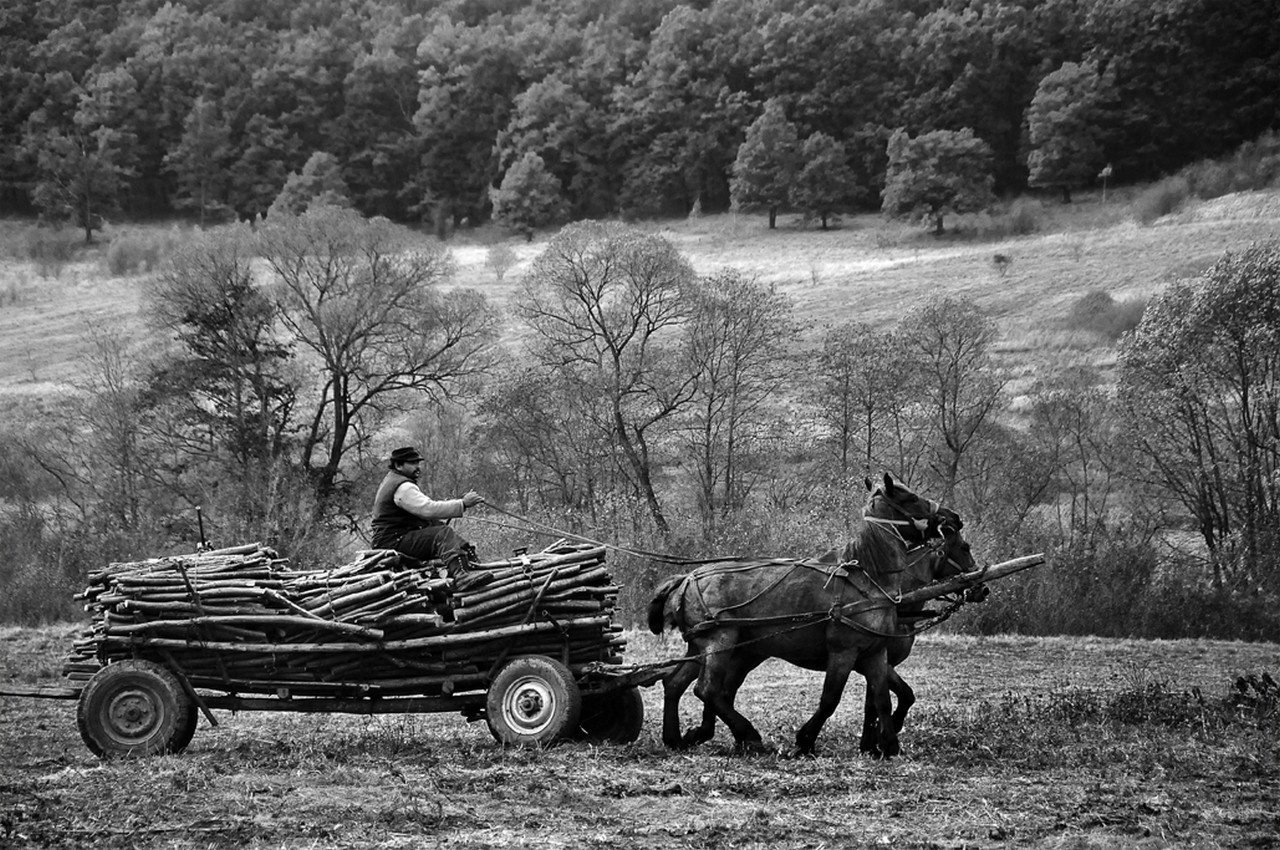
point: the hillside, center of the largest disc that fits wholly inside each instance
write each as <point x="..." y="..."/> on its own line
<point x="866" y="269"/>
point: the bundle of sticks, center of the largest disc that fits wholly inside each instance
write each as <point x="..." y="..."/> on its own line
<point x="241" y="619"/>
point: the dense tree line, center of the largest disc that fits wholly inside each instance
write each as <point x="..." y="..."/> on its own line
<point x="638" y="106"/>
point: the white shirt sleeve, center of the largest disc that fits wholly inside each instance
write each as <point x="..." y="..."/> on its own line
<point x="408" y="497"/>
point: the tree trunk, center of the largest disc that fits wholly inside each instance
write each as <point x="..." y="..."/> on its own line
<point x="773" y="217"/>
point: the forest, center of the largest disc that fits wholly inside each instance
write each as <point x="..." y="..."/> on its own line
<point x="326" y="153"/>
<point x="636" y="107"/>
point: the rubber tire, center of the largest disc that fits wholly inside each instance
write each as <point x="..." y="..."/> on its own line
<point x="133" y="708"/>
<point x="533" y="701"/>
<point x="186" y="729"/>
<point x="614" y="717"/>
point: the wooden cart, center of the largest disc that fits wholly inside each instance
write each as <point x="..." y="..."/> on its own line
<point x="533" y="650"/>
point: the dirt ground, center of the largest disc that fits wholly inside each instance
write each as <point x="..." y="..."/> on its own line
<point x="1016" y="742"/>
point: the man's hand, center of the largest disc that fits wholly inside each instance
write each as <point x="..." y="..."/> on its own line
<point x="471" y="498"/>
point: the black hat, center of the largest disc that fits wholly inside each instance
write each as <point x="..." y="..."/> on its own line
<point x="406" y="455"/>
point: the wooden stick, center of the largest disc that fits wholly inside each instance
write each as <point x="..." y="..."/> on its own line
<point x="967" y="580"/>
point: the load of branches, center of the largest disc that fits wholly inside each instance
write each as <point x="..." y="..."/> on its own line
<point x="242" y="620"/>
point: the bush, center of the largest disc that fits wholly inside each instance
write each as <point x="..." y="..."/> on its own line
<point x="1097" y="312"/>
<point x="1024" y="217"/>
<point x="1163" y="198"/>
<point x="131" y="253"/>
<point x="51" y="249"/>
<point x="1254" y="165"/>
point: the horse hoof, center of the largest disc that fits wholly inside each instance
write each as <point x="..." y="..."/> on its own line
<point x="753" y="748"/>
<point x="689" y="741"/>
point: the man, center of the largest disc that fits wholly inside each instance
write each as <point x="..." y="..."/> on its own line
<point x="409" y="521"/>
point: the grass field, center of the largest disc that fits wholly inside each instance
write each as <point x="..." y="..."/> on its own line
<point x="1016" y="742"/>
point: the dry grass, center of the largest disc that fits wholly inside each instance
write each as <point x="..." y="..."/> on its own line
<point x="1015" y="742"/>
<point x="866" y="269"/>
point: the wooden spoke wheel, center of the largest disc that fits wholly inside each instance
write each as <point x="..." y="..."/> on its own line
<point x="613" y="717"/>
<point x="134" y="708"/>
<point x="533" y="701"/>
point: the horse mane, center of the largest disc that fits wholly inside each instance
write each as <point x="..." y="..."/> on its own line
<point x="877" y="550"/>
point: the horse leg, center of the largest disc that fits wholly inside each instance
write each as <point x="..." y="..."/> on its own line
<point x="839" y="667"/>
<point x="673" y="687"/>
<point x="716" y="688"/>
<point x="870" y="740"/>
<point x="875" y="667"/>
<point x="906" y="698"/>
<point x="738" y="671"/>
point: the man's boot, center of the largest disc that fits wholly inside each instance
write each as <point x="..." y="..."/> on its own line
<point x="459" y="566"/>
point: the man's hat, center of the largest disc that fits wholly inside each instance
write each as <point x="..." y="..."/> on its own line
<point x="408" y="454"/>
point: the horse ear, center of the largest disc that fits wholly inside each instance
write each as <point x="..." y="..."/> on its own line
<point x="867" y="481"/>
<point x="888" y="483"/>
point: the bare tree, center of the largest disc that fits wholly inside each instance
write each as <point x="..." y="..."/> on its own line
<point x="609" y="305"/>
<point x="861" y="386"/>
<point x="1200" y="385"/>
<point x="960" y="385"/>
<point x="361" y="297"/>
<point x="737" y="347"/>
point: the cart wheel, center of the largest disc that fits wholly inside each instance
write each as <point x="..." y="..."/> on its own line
<point x="134" y="708"/>
<point x="186" y="729"/>
<point x="532" y="701"/>
<point x="613" y="717"/>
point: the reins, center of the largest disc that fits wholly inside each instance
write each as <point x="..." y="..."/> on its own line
<point x="551" y="531"/>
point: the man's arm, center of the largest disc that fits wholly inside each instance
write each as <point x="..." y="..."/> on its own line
<point x="410" y="498"/>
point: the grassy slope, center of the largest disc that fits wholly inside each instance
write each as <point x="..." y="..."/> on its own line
<point x="866" y="270"/>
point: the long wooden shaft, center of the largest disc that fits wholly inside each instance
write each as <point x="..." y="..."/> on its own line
<point x="966" y="580"/>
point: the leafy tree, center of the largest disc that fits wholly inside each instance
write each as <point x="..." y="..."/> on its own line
<point x="767" y="163"/>
<point x="82" y="166"/>
<point x="936" y="174"/>
<point x="826" y="185"/>
<point x="1064" y="121"/>
<point x="359" y="297"/>
<point x="738" y="342"/>
<point x="380" y="150"/>
<point x="960" y="387"/>
<point x="465" y="96"/>
<point x="975" y="64"/>
<point x="529" y="197"/>
<point x="261" y="170"/>
<point x="609" y="305"/>
<point x="200" y="160"/>
<point x="319" y="183"/>
<point x="1200" y="386"/>
<point x="232" y="364"/>
<point x="698" y="64"/>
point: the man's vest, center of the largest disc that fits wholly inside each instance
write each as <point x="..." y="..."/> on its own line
<point x="390" y="521"/>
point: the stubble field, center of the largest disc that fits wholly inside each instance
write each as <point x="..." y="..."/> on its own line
<point x="1016" y="742"/>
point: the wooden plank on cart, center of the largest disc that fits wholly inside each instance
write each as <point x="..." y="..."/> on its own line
<point x="40" y="692"/>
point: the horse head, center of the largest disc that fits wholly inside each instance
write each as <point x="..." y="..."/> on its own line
<point x="936" y="549"/>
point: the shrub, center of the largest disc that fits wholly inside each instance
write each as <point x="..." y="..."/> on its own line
<point x="1254" y="165"/>
<point x="1025" y="217"/>
<point x="500" y="258"/>
<point x="50" y="249"/>
<point x="1097" y="312"/>
<point x="131" y="253"/>
<point x="1163" y="198"/>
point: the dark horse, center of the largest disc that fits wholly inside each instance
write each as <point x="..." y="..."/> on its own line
<point x="836" y="613"/>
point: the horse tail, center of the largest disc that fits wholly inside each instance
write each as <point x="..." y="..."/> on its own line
<point x="658" y="605"/>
